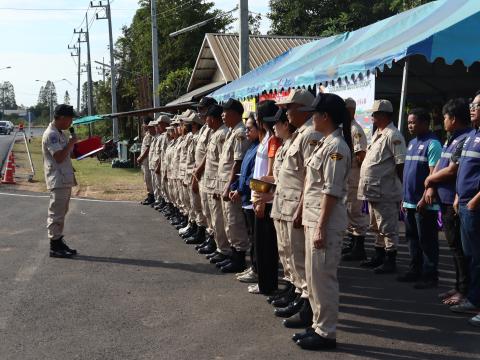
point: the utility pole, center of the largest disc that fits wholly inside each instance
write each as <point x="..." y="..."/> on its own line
<point x="244" y="38"/>
<point x="89" y="73"/>
<point x="113" y="75"/>
<point x="156" y="97"/>
<point x="79" y="71"/>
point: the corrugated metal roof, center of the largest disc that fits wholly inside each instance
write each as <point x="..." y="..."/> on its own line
<point x="220" y="52"/>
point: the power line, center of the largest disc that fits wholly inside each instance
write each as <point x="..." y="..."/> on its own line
<point x="52" y="9"/>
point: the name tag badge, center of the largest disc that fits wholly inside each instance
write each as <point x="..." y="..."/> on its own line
<point x="421" y="147"/>
<point x="477" y="140"/>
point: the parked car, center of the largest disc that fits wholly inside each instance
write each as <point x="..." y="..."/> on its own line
<point x="6" y="127"/>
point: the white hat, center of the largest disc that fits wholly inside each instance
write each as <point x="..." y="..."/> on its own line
<point x="298" y="96"/>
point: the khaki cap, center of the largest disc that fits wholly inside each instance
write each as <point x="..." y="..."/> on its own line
<point x="169" y="128"/>
<point x="152" y="123"/>
<point x="298" y="96"/>
<point x="382" y="105"/>
<point x="164" y="119"/>
<point x="193" y="118"/>
<point x="185" y="114"/>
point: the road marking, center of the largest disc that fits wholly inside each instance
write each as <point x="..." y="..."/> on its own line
<point x="73" y="198"/>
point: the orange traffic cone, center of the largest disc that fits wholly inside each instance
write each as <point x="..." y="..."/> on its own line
<point x="9" y="176"/>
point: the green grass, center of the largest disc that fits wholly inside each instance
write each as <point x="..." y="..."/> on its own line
<point x="95" y="179"/>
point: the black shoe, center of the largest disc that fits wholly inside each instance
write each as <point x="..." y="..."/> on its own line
<point x="281" y="293"/>
<point x="60" y="254"/>
<point x="358" y="250"/>
<point x="409" y="276"/>
<point x="203" y="244"/>
<point x="291" y="309"/>
<point x="198" y="237"/>
<point x="223" y="263"/>
<point x="60" y="245"/>
<point x="285" y="300"/>
<point x="210" y="248"/>
<point x="376" y="259"/>
<point x="426" y="283"/>
<point x="317" y="342"/>
<point x="149" y="200"/>
<point x="302" y="319"/>
<point x="192" y="231"/>
<point x="389" y="264"/>
<point x="212" y="255"/>
<point x="219" y="257"/>
<point x="237" y="263"/>
<point x="302" y="335"/>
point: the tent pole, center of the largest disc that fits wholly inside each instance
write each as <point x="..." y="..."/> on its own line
<point x="403" y="95"/>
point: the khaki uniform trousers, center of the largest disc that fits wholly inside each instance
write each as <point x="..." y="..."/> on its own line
<point x="196" y="206"/>
<point x="205" y="207"/>
<point x="147" y="176"/>
<point x="156" y="182"/>
<point x="294" y="239"/>
<point x="57" y="209"/>
<point x="321" y="269"/>
<point x="186" y="202"/>
<point x="284" y="252"/>
<point x="357" y="220"/>
<point x="218" y="225"/>
<point x="384" y="221"/>
<point x="235" y="227"/>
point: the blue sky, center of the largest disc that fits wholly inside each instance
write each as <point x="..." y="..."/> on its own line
<point x="34" y="42"/>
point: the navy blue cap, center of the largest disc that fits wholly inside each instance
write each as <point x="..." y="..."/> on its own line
<point x="215" y="111"/>
<point x="234" y="105"/>
<point x="64" y="110"/>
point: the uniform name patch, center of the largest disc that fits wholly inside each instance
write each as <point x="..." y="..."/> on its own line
<point x="336" y="156"/>
<point x="313" y="142"/>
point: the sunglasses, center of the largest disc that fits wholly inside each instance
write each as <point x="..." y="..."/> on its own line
<point x="474" y="106"/>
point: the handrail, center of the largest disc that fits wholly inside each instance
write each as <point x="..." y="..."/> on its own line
<point x="4" y="160"/>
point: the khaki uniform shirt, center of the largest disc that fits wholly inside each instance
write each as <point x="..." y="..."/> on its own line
<point x="214" y="150"/>
<point x="204" y="135"/>
<point x="327" y="174"/>
<point x="160" y="148"/>
<point x="182" y="155"/>
<point x="169" y="159"/>
<point x="279" y="156"/>
<point x="57" y="175"/>
<point x="147" y="140"/>
<point x="176" y="153"/>
<point x="234" y="149"/>
<point x="291" y="176"/>
<point x="190" y="162"/>
<point x="359" y="141"/>
<point x="379" y="181"/>
<point x="152" y="153"/>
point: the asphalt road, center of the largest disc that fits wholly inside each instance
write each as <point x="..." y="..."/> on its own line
<point x="137" y="292"/>
<point x="6" y="140"/>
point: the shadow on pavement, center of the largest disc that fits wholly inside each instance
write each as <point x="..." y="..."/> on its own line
<point x="195" y="268"/>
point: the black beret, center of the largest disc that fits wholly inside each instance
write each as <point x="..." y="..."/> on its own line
<point x="64" y="110"/>
<point x="215" y="111"/>
<point x="234" y="105"/>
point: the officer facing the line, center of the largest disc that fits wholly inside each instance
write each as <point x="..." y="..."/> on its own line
<point x="59" y="177"/>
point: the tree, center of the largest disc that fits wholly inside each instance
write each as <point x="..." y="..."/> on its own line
<point x="66" y="98"/>
<point x="254" y="23"/>
<point x="174" y="85"/>
<point x="329" y="17"/>
<point x="7" y="96"/>
<point x="48" y="95"/>
<point x="133" y="48"/>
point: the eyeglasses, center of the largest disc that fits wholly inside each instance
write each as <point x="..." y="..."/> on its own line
<point x="474" y="106"/>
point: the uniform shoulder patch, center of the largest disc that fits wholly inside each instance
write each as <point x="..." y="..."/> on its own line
<point x="53" y="138"/>
<point x="241" y="137"/>
<point x="313" y="142"/>
<point x="358" y="135"/>
<point x="336" y="156"/>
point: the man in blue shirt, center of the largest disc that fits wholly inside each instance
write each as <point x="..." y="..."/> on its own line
<point x="467" y="201"/>
<point x="421" y="231"/>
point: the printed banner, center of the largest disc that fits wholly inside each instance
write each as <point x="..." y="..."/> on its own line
<point x="363" y="92"/>
<point x="278" y="96"/>
<point x="249" y="106"/>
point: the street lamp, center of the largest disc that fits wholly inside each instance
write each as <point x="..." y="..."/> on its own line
<point x="3" y="92"/>
<point x="50" y="93"/>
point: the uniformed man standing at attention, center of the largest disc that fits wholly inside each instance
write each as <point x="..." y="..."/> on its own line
<point x="59" y="177"/>
<point x="143" y="159"/>
<point x="380" y="184"/>
<point x="234" y="149"/>
<point x="358" y="221"/>
<point x="287" y="204"/>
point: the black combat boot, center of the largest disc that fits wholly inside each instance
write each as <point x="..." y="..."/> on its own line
<point x="376" y="259"/>
<point x="389" y="264"/>
<point x="291" y="309"/>
<point x="198" y="237"/>
<point x="237" y="263"/>
<point x="59" y="249"/>
<point x="149" y="200"/>
<point x="358" y="250"/>
<point x="302" y="319"/>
